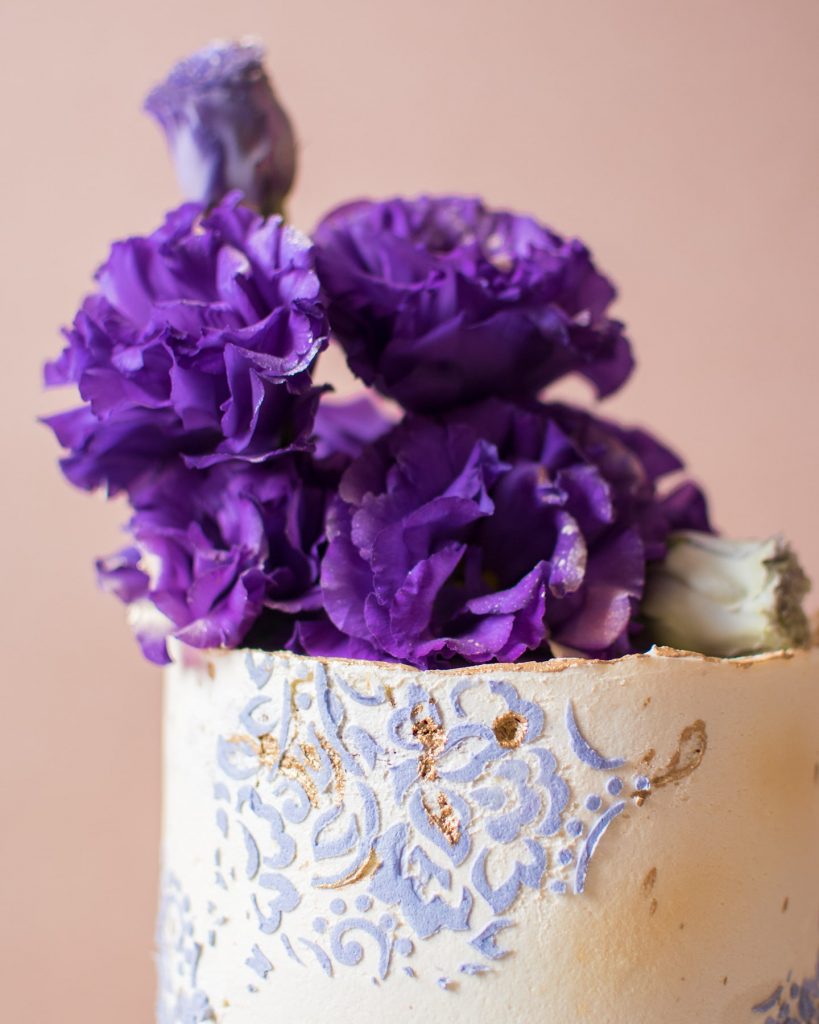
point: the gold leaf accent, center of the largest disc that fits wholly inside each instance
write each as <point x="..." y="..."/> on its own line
<point x="510" y="729"/>
<point x="268" y="750"/>
<point x="432" y="738"/>
<point x="338" y="771"/>
<point x="686" y="758"/>
<point x="369" y="865"/>
<point x="445" y="819"/>
<point x="311" y="756"/>
<point x="648" y="886"/>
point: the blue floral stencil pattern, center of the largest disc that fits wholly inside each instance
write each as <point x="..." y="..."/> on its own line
<point x="179" y="1001"/>
<point x="792" y="1003"/>
<point x="424" y="815"/>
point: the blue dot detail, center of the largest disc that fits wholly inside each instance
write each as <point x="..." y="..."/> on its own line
<point x="303" y="701"/>
<point x="404" y="947"/>
<point x="593" y="802"/>
<point x="319" y="925"/>
<point x="565" y="857"/>
<point x="363" y="903"/>
<point x="642" y="783"/>
<point x="615" y="786"/>
<point x="574" y="827"/>
<point x="558" y="887"/>
<point x="338" y="906"/>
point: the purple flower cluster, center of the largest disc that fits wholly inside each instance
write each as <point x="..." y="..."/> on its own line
<point x="197" y="345"/>
<point x="441" y="301"/>
<point x="194" y="361"/>
<point x="479" y="524"/>
<point x="491" y="532"/>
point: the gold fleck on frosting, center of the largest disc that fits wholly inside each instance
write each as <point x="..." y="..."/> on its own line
<point x="510" y="729"/>
<point x="686" y="758"/>
<point x="445" y="819"/>
<point x="432" y="738"/>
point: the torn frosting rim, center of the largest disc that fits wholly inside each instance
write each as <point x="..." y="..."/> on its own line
<point x="191" y="657"/>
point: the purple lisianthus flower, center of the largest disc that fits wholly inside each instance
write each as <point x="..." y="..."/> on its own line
<point x="440" y="301"/>
<point x="198" y="343"/>
<point x="494" y="532"/>
<point x="229" y="555"/>
<point x="225" y="128"/>
<point x="219" y="553"/>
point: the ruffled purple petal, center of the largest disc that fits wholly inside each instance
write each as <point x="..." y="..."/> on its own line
<point x="439" y="302"/>
<point x="344" y="428"/>
<point x="228" y="548"/>
<point x="484" y="535"/>
<point x="121" y="576"/>
<point x="686" y="508"/>
<point x="321" y="639"/>
<point x="198" y="345"/>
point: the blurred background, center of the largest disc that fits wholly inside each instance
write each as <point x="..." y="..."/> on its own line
<point x="680" y="139"/>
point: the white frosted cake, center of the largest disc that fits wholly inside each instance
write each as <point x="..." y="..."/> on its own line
<point x="623" y="842"/>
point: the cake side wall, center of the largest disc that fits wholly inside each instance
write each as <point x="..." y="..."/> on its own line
<point x="619" y="842"/>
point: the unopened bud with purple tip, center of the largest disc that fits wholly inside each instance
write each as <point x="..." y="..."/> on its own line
<point x="225" y="127"/>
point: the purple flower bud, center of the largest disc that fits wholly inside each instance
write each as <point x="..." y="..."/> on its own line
<point x="225" y="127"/>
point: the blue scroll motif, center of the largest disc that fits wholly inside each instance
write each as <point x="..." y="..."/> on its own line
<point x="324" y="961"/>
<point x="501" y="897"/>
<point x="507" y="826"/>
<point x="350" y="952"/>
<point x="259" y="963"/>
<point x="259" y="671"/>
<point x="237" y="758"/>
<point x="283" y="851"/>
<point x="589" y="846"/>
<point x="395" y="885"/>
<point x="792" y="1002"/>
<point x="557" y="790"/>
<point x="338" y="845"/>
<point x="362" y="834"/>
<point x="486" y="942"/>
<point x="286" y="899"/>
<point x="295" y="806"/>
<point x="585" y="752"/>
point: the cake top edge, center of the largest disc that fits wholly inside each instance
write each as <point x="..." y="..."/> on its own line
<point x="190" y="657"/>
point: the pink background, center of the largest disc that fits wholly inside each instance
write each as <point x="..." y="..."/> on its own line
<point x="680" y="138"/>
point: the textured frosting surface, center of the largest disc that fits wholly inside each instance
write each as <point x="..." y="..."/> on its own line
<point x="621" y="842"/>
